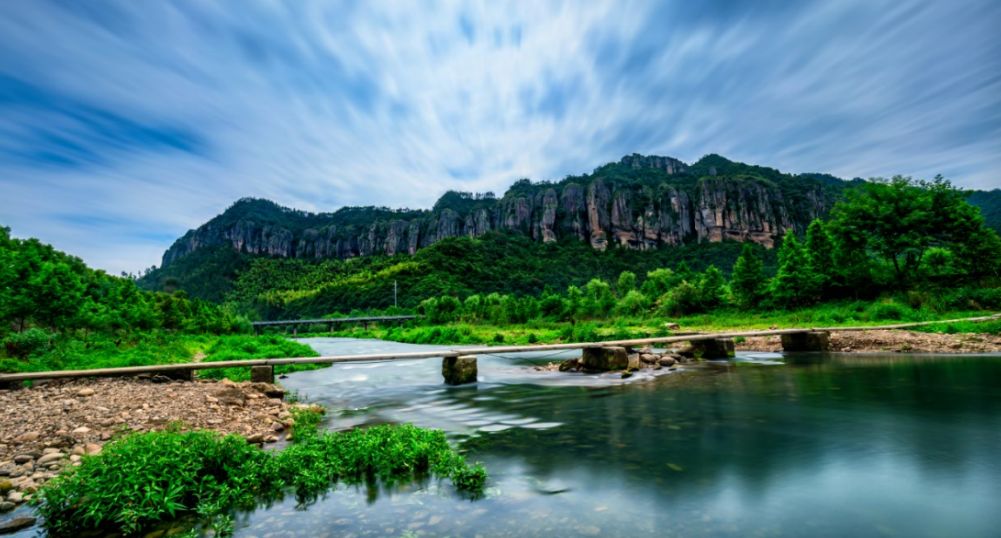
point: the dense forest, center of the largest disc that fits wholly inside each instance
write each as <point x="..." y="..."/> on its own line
<point x="638" y="214"/>
<point x="916" y="239"/>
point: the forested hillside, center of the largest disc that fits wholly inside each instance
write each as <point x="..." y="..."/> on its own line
<point x="637" y="214"/>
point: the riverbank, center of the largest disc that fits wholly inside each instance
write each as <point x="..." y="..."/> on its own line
<point x="52" y="425"/>
<point x="896" y="341"/>
<point x="947" y="337"/>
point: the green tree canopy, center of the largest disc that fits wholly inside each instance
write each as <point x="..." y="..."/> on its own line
<point x="900" y="219"/>
<point x="748" y="281"/>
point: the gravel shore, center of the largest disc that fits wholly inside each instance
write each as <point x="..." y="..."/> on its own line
<point x="891" y="341"/>
<point x="54" y="424"/>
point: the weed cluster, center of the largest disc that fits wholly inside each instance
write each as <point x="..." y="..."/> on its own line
<point x="144" y="479"/>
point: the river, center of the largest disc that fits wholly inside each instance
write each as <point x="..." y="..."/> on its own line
<point x="824" y="445"/>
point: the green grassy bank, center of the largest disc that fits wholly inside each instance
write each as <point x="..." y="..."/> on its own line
<point x="73" y="352"/>
<point x="854" y="313"/>
<point x="142" y="480"/>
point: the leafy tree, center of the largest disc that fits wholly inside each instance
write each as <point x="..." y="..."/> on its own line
<point x="599" y="298"/>
<point x="626" y="283"/>
<point x="658" y="282"/>
<point x="574" y="304"/>
<point x="980" y="254"/>
<point x="748" y="281"/>
<point x="712" y="288"/>
<point x="685" y="298"/>
<point x="898" y="220"/>
<point x="795" y="284"/>
<point x="820" y="251"/>
<point x="633" y="303"/>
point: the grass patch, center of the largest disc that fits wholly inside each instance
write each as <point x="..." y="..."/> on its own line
<point x="144" y="479"/>
<point x="245" y="347"/>
<point x="76" y="352"/>
<point x="849" y="313"/>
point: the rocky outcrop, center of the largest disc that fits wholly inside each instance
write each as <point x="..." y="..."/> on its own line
<point x="641" y="202"/>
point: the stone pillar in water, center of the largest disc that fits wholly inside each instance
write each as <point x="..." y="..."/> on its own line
<point x="806" y="341"/>
<point x="459" y="370"/>
<point x="603" y="359"/>
<point x="715" y="349"/>
<point x="262" y="374"/>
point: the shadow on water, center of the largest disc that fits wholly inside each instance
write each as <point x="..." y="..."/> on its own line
<point x="816" y="445"/>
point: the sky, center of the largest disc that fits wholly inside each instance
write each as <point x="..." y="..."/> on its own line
<point x="124" y="124"/>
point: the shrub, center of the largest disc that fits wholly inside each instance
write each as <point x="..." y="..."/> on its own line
<point x="27" y="343"/>
<point x="142" y="479"/>
<point x="633" y="303"/>
<point x="886" y="310"/>
<point x="683" y="299"/>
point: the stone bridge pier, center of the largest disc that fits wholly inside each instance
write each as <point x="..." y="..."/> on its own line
<point x="459" y="369"/>
<point x="806" y="341"/>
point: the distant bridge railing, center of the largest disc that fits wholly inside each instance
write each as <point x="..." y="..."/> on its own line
<point x="330" y="322"/>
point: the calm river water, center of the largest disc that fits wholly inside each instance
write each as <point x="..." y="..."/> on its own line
<point x="837" y="445"/>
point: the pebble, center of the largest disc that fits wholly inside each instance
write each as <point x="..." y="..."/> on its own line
<point x="49" y="458"/>
<point x="27" y="437"/>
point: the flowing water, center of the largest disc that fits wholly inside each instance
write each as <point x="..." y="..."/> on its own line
<point x="835" y="445"/>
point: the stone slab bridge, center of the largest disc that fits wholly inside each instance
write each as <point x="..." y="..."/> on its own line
<point x="459" y="364"/>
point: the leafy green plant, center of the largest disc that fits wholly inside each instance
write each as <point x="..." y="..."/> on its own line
<point x="25" y="344"/>
<point x="145" y="478"/>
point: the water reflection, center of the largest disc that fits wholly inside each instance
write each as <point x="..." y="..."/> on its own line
<point x="830" y="446"/>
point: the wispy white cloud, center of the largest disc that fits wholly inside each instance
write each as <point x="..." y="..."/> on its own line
<point x="122" y="124"/>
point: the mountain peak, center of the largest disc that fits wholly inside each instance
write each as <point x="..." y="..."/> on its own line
<point x="667" y="164"/>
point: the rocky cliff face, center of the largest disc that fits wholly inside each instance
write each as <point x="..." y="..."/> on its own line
<point x="641" y="202"/>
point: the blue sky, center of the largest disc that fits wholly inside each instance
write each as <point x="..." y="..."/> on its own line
<point x="123" y="124"/>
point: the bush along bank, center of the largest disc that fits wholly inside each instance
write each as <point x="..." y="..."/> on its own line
<point x="142" y="480"/>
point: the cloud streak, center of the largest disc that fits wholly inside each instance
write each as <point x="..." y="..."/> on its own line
<point x="125" y="123"/>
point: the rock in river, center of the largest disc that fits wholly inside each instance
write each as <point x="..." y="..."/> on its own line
<point x="16" y="524"/>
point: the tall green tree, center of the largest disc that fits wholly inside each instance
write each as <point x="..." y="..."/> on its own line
<point x="712" y="288"/>
<point x="820" y="251"/>
<point x="747" y="284"/>
<point x="794" y="284"/>
<point x="900" y="219"/>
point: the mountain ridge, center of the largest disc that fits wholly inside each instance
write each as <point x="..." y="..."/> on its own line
<point x="638" y="202"/>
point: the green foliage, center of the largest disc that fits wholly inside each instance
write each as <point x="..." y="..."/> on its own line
<point x="820" y="253"/>
<point x="506" y="264"/>
<point x="795" y="284"/>
<point x="634" y="303"/>
<point x="43" y="288"/>
<point x="626" y="283"/>
<point x="27" y="343"/>
<point x="245" y="347"/>
<point x="898" y="220"/>
<point x="142" y="479"/>
<point x="685" y="298"/>
<point x="68" y="352"/>
<point x="712" y="288"/>
<point x="748" y="281"/>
